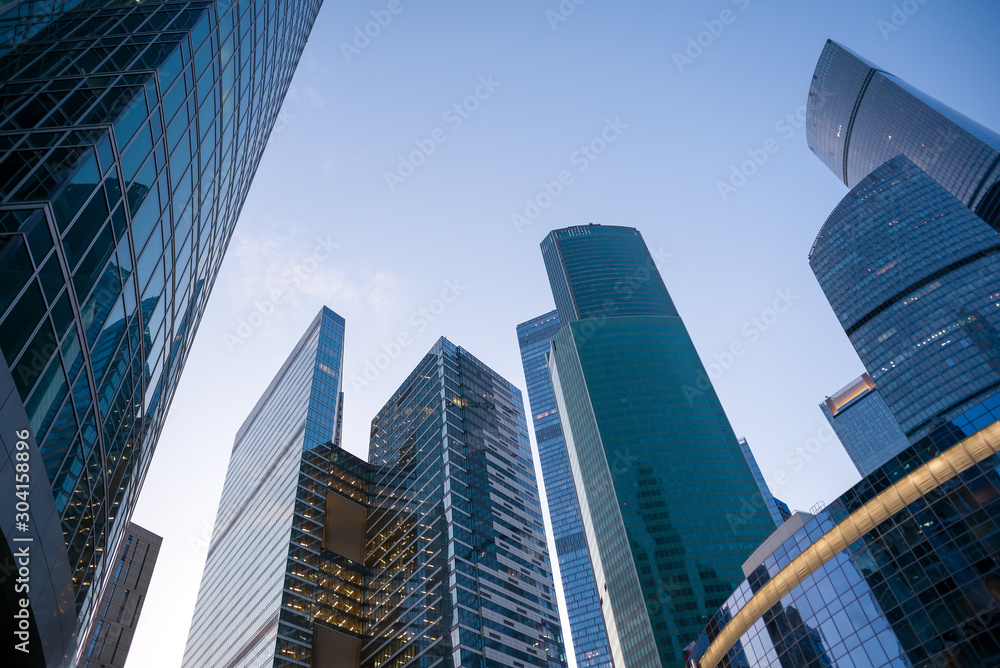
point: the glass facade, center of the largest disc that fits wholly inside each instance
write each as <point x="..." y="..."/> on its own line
<point x="590" y="638"/>
<point x="598" y="271"/>
<point x="121" y="602"/>
<point x="129" y="135"/>
<point x="914" y="278"/>
<point x="765" y="491"/>
<point x="460" y="574"/>
<point x="859" y="116"/>
<point x="865" y="425"/>
<point x="266" y="556"/>
<point x="670" y="507"/>
<point x="903" y="570"/>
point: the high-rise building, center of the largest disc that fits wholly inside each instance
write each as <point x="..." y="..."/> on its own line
<point x="859" y="116"/>
<point x="765" y="491"/>
<point x="583" y="606"/>
<point x="914" y="279"/>
<point x="129" y="135"/>
<point x="660" y="478"/>
<point x="864" y="424"/>
<point x="459" y="564"/>
<point x="432" y="554"/>
<point x="269" y="555"/>
<point x="121" y="602"/>
<point x="900" y="571"/>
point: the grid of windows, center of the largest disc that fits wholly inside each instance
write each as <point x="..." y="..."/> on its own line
<point x="590" y="639"/>
<point x="266" y="555"/>
<point x="921" y="589"/>
<point x="661" y="479"/>
<point x="867" y="430"/>
<point x="456" y="543"/>
<point x="858" y="117"/>
<point x="914" y="278"/>
<point x="129" y="134"/>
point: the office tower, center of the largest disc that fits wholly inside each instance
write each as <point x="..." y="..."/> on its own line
<point x="901" y="570"/>
<point x="858" y="117"/>
<point x="583" y="607"/>
<point x="433" y="552"/>
<point x="864" y="424"/>
<point x="765" y="491"/>
<point x="129" y="135"/>
<point x="457" y="550"/>
<point x="783" y="510"/>
<point x="267" y="557"/>
<point x="669" y="505"/>
<point x="121" y="602"/>
<point x="914" y="279"/>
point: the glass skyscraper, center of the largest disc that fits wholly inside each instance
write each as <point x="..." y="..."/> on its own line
<point x="770" y="502"/>
<point x="659" y="474"/>
<point x="914" y="278"/>
<point x="433" y="554"/>
<point x="859" y="116"/>
<point x="268" y="556"/>
<point x="129" y="135"/>
<point x="460" y="572"/>
<point x="864" y="424"/>
<point x="583" y="607"/>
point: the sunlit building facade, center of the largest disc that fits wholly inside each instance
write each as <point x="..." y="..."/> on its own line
<point x="859" y="116"/>
<point x="669" y="504"/>
<point x="583" y="606"/>
<point x="129" y="136"/>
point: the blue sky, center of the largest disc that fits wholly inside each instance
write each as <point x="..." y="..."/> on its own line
<point x="324" y="224"/>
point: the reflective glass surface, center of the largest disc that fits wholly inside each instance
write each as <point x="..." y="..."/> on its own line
<point x="858" y="117"/>
<point x="129" y="135"/>
<point x="590" y="639"/>
<point x="914" y="278"/>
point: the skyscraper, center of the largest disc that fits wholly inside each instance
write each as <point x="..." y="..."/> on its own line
<point x="270" y="555"/>
<point x="864" y="424"/>
<point x="459" y="563"/>
<point x="914" y="279"/>
<point x="129" y="135"/>
<point x="859" y="116"/>
<point x="583" y="607"/>
<point x="432" y="554"/>
<point x="121" y="602"/>
<point x="765" y="492"/>
<point x="659" y="474"/>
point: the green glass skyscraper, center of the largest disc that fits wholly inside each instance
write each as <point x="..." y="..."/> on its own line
<point x="129" y="135"/>
<point x="663" y="486"/>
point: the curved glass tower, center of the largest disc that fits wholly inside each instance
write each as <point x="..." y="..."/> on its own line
<point x="670" y="507"/>
<point x="914" y="278"/>
<point x="129" y="136"/>
<point x="859" y="116"/>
